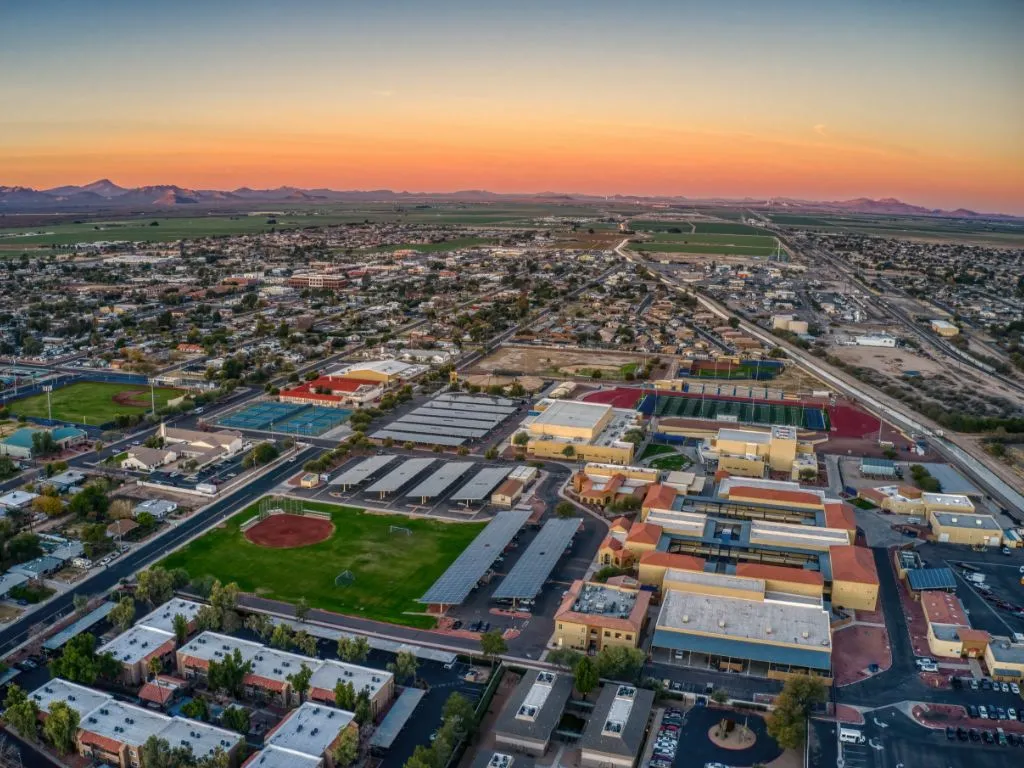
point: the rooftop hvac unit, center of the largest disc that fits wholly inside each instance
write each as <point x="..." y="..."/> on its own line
<point x="721" y="623"/>
<point x="805" y="634"/>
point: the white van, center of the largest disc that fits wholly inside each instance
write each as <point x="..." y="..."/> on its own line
<point x="851" y="736"/>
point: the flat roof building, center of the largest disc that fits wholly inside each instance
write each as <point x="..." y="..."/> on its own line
<point x="594" y="431"/>
<point x="963" y="528"/>
<point x="533" y="712"/>
<point x="615" y="730"/>
<point x="594" y="615"/>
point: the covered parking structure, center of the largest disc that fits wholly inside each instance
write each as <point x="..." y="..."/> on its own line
<point x="361" y="472"/>
<point x="472" y="565"/>
<point x="925" y="579"/>
<point x="527" y="577"/>
<point x="401" y="475"/>
<point x="439" y="482"/>
<point x="414" y="435"/>
<point x="395" y="720"/>
<point x="479" y="487"/>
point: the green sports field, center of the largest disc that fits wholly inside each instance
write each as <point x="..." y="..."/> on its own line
<point x="702" y="248"/>
<point x="93" y="402"/>
<point x="391" y="570"/>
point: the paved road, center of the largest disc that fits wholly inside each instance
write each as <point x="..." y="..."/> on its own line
<point x="147" y="553"/>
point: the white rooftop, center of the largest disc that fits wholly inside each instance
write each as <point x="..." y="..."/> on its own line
<point x="327" y="675"/>
<point x="777" y="621"/>
<point x="137" y="643"/>
<point x="536" y="696"/>
<point x="81" y="699"/>
<point x="125" y="723"/>
<point x="947" y="500"/>
<point x="274" y="757"/>
<point x="386" y="367"/>
<point x="310" y="729"/>
<point x="571" y="413"/>
<point x="163" y="617"/>
<point x="745" y="436"/>
<point x="618" y="712"/>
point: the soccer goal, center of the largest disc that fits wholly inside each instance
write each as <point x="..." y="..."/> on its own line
<point x="399" y="530"/>
<point x="344" y="579"/>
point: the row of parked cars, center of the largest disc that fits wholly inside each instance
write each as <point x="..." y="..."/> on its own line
<point x="995" y="713"/>
<point x="959" y="683"/>
<point x="666" y="742"/>
<point x="999" y="737"/>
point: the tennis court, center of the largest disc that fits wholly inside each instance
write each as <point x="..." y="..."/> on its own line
<point x="746" y="412"/>
<point x="309" y="420"/>
<point x="312" y="421"/>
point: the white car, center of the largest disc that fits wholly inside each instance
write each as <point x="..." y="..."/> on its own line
<point x="1015" y="688"/>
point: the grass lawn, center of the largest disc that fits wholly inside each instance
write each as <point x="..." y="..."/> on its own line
<point x="862" y="503"/>
<point x="656" y="450"/>
<point x="91" y="402"/>
<point x="391" y="570"/>
<point x="674" y="462"/>
<point x="725" y="250"/>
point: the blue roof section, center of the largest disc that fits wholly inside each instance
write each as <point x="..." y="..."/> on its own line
<point x="868" y="461"/>
<point x="931" y="578"/>
<point x="63" y="433"/>
<point x="21" y="437"/>
<point x="741" y="649"/>
<point x="72" y="630"/>
<point x="396" y="718"/>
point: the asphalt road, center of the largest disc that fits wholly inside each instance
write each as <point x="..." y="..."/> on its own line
<point x="147" y="553"/>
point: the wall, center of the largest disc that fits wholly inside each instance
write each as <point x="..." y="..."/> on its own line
<point x="855" y="595"/>
<point x="741" y="467"/>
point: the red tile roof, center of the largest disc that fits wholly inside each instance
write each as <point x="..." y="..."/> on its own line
<point x="621" y="523"/>
<point x="773" y="495"/>
<point x="659" y="497"/>
<point x="855" y="564"/>
<point x="839" y="514"/>
<point x="95" y="740"/>
<point x="779" y="573"/>
<point x="263" y="682"/>
<point x="610" y="542"/>
<point x="334" y="383"/>
<point x="943" y="608"/>
<point x="872" y="494"/>
<point x="672" y="560"/>
<point x="644" y="533"/>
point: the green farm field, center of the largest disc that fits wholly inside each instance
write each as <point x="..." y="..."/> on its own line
<point x="93" y="402"/>
<point x="391" y="570"/>
<point x="766" y="241"/>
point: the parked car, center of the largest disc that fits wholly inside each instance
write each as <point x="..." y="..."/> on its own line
<point x="983" y="712"/>
<point x="950" y="733"/>
<point x="972" y="711"/>
<point x="987" y="737"/>
<point x="974" y="734"/>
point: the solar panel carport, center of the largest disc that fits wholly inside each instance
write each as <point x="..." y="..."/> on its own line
<point x="480" y="486"/>
<point x="459" y="397"/>
<point x="438" y="482"/>
<point x="399" y="476"/>
<point x="528" y="575"/>
<point x="440" y="429"/>
<point x="455" y="418"/>
<point x="444" y="426"/>
<point x="931" y="578"/>
<point x="458" y="581"/>
<point x="361" y="471"/>
<point x="501" y="411"/>
<point x="417" y="437"/>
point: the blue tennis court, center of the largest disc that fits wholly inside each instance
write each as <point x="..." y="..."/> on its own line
<point x="312" y="420"/>
<point x="261" y="415"/>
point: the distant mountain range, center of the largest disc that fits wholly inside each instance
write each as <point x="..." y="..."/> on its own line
<point x="106" y="195"/>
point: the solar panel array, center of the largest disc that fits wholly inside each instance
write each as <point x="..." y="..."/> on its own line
<point x="481" y="485"/>
<point x="399" y="476"/>
<point x="458" y="581"/>
<point x="449" y="419"/>
<point x="417" y="437"/>
<point x="361" y="471"/>
<point x="438" y="482"/>
<point x="534" y="566"/>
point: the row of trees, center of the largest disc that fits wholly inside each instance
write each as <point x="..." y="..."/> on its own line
<point x="458" y="722"/>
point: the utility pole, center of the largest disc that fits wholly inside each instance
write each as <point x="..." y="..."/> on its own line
<point x="152" y="397"/>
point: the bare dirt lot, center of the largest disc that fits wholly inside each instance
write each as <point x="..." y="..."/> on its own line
<point x="893" y="362"/>
<point x="546" y="360"/>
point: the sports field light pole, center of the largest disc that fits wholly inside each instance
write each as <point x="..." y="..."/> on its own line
<point x="152" y="397"/>
<point x="48" y="388"/>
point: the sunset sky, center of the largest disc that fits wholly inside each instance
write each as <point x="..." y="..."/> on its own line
<point x="917" y="99"/>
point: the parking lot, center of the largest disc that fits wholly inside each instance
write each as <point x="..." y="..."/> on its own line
<point x="682" y="740"/>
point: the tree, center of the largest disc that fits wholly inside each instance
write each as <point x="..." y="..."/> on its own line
<point x="281" y="638"/>
<point x="422" y="757"/>
<point x="197" y="709"/>
<point x="363" y="711"/>
<point x="345" y="695"/>
<point x="80" y="602"/>
<point x="719" y="696"/>
<point x="787" y="723"/>
<point x="492" y="644"/>
<point x="227" y="675"/>
<point x="80" y="663"/>
<point x="21" y="712"/>
<point x="521" y="438"/>
<point x="48" y="505"/>
<point x="305" y="642"/>
<point x="158" y="753"/>
<point x="224" y="599"/>
<point x="565" y="509"/>
<point x="260" y="624"/>
<point x="301" y="609"/>
<point x="264" y="453"/>
<point x="585" y="675"/>
<point x="459" y="712"/>
<point x="123" y="613"/>
<point x="568" y="451"/>
<point x="620" y="663"/>
<point x="300" y="681"/>
<point x="346" y="750"/>
<point x="155" y="666"/>
<point x="90" y="503"/>
<point x="154" y="586"/>
<point x="61" y="727"/>
<point x="564" y="657"/>
<point x="734" y="322"/>
<point x="404" y="666"/>
<point x="236" y="718"/>
<point x="353" y="649"/>
<point x="180" y="624"/>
